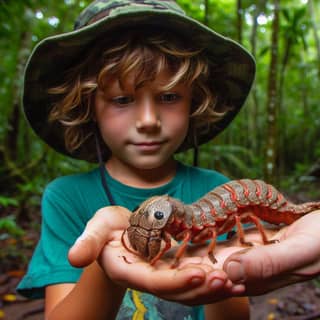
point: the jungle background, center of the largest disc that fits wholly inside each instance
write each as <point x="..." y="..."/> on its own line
<point x="275" y="137"/>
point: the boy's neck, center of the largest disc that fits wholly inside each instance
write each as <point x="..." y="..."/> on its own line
<point x="142" y="178"/>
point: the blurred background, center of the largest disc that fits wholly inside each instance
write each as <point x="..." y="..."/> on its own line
<point x="276" y="136"/>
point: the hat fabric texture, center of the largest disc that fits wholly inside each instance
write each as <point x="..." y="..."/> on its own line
<point x="56" y="54"/>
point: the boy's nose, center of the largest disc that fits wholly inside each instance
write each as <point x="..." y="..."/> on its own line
<point x="148" y="117"/>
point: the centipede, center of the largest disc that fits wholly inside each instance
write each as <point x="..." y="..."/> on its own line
<point x="161" y="218"/>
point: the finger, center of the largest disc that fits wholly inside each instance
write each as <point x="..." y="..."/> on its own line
<point x="216" y="288"/>
<point x="158" y="280"/>
<point x="132" y="271"/>
<point x="265" y="262"/>
<point x="179" y="280"/>
<point x="190" y="284"/>
<point x="99" y="230"/>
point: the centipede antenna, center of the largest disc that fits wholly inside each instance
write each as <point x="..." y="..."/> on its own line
<point x="125" y="245"/>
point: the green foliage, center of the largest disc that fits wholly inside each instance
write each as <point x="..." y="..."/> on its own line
<point x="15" y="246"/>
<point x="195" y="8"/>
<point x="27" y="164"/>
<point x="7" y="201"/>
<point x="233" y="160"/>
<point x="9" y="227"/>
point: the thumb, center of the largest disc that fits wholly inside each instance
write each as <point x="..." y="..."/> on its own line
<point x="99" y="230"/>
<point x="269" y="261"/>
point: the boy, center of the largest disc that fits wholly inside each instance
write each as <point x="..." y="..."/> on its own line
<point x="136" y="82"/>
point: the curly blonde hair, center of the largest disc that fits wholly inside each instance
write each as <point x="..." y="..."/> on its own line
<point x="146" y="53"/>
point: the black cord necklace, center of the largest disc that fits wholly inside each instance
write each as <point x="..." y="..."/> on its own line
<point x="102" y="171"/>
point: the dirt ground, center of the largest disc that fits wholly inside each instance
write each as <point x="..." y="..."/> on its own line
<point x="297" y="302"/>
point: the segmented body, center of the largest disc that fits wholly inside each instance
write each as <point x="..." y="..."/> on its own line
<point x="233" y="203"/>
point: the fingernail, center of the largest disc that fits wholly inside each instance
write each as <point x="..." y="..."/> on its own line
<point x="82" y="237"/>
<point x="235" y="272"/>
<point x="196" y="281"/>
<point x="216" y="284"/>
<point x="238" y="289"/>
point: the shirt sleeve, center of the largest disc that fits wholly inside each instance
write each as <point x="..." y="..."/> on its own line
<point x="62" y="223"/>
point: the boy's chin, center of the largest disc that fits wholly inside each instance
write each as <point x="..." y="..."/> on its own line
<point x="154" y="164"/>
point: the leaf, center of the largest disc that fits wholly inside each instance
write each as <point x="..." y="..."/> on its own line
<point x="6" y="201"/>
<point x="271" y="316"/>
<point x="9" y="225"/>
<point x="264" y="51"/>
<point x="9" y="297"/>
<point x="273" y="301"/>
<point x="286" y="14"/>
<point x="16" y="273"/>
<point x="299" y="15"/>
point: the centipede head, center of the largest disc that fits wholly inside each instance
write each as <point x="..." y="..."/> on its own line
<point x="146" y="224"/>
<point x="152" y="214"/>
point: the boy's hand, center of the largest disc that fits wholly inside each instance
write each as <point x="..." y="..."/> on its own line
<point x="102" y="228"/>
<point x="195" y="281"/>
<point x="295" y="258"/>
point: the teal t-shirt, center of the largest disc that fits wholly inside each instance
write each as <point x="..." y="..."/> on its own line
<point x="70" y="201"/>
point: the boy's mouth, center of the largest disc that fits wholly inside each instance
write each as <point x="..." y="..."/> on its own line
<point x="148" y="145"/>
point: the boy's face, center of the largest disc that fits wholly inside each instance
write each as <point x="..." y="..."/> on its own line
<point x="143" y="126"/>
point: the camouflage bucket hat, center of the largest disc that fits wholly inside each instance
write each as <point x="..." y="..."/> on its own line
<point x="54" y="55"/>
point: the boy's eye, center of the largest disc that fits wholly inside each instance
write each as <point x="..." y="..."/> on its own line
<point x="169" y="97"/>
<point x="122" y="100"/>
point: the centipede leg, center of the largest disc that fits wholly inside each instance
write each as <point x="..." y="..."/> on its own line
<point x="240" y="232"/>
<point x="205" y="234"/>
<point x="261" y="230"/>
<point x="186" y="237"/>
<point x="252" y="218"/>
<point x="212" y="245"/>
<point x="167" y="239"/>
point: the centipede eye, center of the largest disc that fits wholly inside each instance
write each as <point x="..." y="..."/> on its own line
<point x="158" y="215"/>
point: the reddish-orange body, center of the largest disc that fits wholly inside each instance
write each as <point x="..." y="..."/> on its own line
<point x="233" y="203"/>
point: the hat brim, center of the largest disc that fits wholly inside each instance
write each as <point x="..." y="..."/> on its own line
<point x="53" y="55"/>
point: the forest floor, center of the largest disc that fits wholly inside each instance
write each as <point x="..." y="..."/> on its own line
<point x="296" y="302"/>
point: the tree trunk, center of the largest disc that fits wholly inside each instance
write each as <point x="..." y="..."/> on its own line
<point x="239" y="20"/>
<point x="272" y="101"/>
<point x="315" y="32"/>
<point x="283" y="122"/>
<point x="206" y="12"/>
<point x="254" y="110"/>
<point x="12" y="172"/>
<point x="13" y="133"/>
